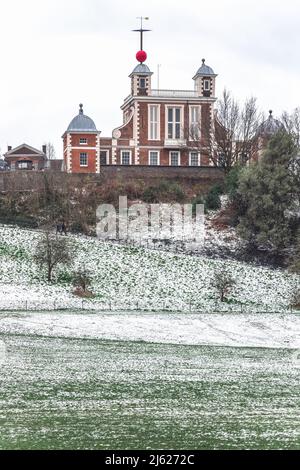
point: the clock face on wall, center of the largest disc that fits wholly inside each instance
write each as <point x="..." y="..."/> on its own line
<point x="116" y="134"/>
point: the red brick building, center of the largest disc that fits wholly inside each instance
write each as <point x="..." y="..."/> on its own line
<point x="82" y="145"/>
<point x="25" y="157"/>
<point x="160" y="127"/>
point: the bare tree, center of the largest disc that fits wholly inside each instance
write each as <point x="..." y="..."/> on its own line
<point x="223" y="141"/>
<point x="52" y="251"/>
<point x="82" y="279"/>
<point x="249" y="122"/>
<point x="50" y="151"/>
<point x="291" y="124"/>
<point x="230" y="135"/>
<point x="223" y="283"/>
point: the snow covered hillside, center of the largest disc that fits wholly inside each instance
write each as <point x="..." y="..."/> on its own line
<point x="131" y="278"/>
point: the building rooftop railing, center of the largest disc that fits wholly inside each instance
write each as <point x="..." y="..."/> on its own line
<point x="171" y="94"/>
<point x="175" y="93"/>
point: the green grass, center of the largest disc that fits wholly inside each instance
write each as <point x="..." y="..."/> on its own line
<point x="85" y="394"/>
<point x="14" y="252"/>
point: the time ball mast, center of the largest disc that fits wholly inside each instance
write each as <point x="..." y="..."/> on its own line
<point x="141" y="55"/>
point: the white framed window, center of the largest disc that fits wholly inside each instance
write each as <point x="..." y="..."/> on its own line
<point x="206" y="85"/>
<point x="24" y="165"/>
<point x="174" y="158"/>
<point x="125" y="157"/>
<point x="153" y="157"/>
<point x="142" y="82"/>
<point x="104" y="157"/>
<point x="195" y="122"/>
<point x="83" y="141"/>
<point x="194" y="159"/>
<point x="83" y="159"/>
<point x="154" y="122"/>
<point x="174" y="118"/>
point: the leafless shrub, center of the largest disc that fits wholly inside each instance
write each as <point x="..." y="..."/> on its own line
<point x="223" y="283"/>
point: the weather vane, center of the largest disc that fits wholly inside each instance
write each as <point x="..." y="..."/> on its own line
<point x="141" y="55"/>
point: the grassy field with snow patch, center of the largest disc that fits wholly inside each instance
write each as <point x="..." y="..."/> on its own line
<point x="62" y="393"/>
<point x="134" y="278"/>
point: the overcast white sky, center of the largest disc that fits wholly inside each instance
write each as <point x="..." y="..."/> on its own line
<point x="58" y="53"/>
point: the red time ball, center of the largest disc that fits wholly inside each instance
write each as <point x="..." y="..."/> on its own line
<point x="141" y="56"/>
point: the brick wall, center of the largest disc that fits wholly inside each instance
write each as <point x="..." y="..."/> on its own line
<point x="91" y="140"/>
<point x="165" y="172"/>
<point x="78" y="148"/>
<point x="127" y="130"/>
<point x="26" y="181"/>
<point x="205" y="121"/>
<point x="91" y="155"/>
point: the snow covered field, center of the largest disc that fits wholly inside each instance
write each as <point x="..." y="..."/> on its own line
<point x="127" y="277"/>
<point x="71" y="393"/>
<point x="268" y="331"/>
<point x="131" y="370"/>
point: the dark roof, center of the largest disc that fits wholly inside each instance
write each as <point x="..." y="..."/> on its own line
<point x="205" y="70"/>
<point x="82" y="123"/>
<point x="141" y="69"/>
<point x="270" y="126"/>
<point x="25" y="149"/>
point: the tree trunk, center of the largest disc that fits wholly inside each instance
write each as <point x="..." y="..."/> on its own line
<point x="50" y="273"/>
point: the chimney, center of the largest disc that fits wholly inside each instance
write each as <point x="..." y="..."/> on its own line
<point x="44" y="149"/>
<point x="9" y="147"/>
